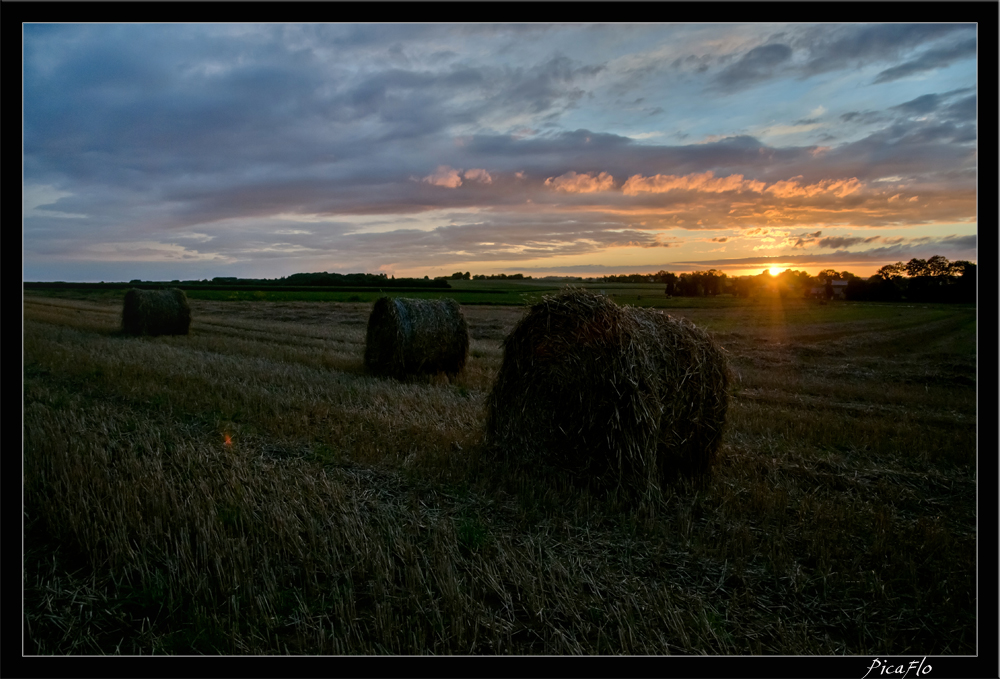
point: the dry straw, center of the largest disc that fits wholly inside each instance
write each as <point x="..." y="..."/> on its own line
<point x="617" y="396"/>
<point x="416" y="336"/>
<point x="156" y="312"/>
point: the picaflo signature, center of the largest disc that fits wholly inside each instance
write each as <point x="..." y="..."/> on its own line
<point x="885" y="668"/>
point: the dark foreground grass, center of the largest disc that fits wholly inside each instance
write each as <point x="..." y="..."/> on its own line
<point x="248" y="489"/>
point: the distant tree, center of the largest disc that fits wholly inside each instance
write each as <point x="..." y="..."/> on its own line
<point x="828" y="275"/>
<point x="963" y="268"/>
<point x="874" y="289"/>
<point x="798" y="282"/>
<point x="965" y="285"/>
<point x="938" y="266"/>
<point x="882" y="290"/>
<point x="670" y="279"/>
<point x="687" y="285"/>
<point x="743" y="286"/>
<point x="891" y="272"/>
<point x="857" y="289"/>
<point x="712" y="281"/>
<point x="917" y="267"/>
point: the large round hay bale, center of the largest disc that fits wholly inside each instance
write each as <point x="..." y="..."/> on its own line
<point x="408" y="337"/>
<point x="613" y="395"/>
<point x="156" y="312"/>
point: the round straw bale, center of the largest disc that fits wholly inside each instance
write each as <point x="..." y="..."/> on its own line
<point x="156" y="312"/>
<point x="416" y="336"/>
<point x="615" y="395"/>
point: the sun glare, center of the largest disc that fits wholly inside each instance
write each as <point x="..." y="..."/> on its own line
<point x="775" y="270"/>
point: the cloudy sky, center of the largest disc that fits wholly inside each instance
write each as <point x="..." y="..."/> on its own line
<point x="193" y="151"/>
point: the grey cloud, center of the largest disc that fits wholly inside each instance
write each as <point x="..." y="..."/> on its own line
<point x="698" y="64"/>
<point x="555" y="79"/>
<point x="970" y="242"/>
<point x="922" y="104"/>
<point x="160" y="121"/>
<point x="497" y="237"/>
<point x="962" y="110"/>
<point x="862" y="117"/>
<point x="805" y="239"/>
<point x="905" y="148"/>
<point x="839" y="241"/>
<point x="442" y="56"/>
<point x="835" y="47"/>
<point x="953" y="247"/>
<point x="929" y="60"/>
<point x="938" y="132"/>
<point x="521" y="238"/>
<point x="757" y="64"/>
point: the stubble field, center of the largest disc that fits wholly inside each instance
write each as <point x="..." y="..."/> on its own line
<point x="248" y="489"/>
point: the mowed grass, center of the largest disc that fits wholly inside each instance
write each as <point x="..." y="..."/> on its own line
<point x="249" y="489"/>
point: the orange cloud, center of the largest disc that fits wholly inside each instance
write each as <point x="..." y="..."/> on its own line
<point x="792" y="188"/>
<point x="444" y="176"/>
<point x="705" y="181"/>
<point x="479" y="176"/>
<point x="571" y="182"/>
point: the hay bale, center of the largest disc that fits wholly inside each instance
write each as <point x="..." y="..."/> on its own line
<point x="156" y="312"/>
<point x="614" y="395"/>
<point x="408" y="337"/>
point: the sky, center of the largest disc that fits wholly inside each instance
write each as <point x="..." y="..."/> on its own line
<point x="177" y="151"/>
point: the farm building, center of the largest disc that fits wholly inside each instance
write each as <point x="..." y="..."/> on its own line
<point x="835" y="290"/>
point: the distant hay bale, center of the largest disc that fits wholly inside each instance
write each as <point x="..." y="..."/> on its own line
<point x="156" y="312"/>
<point x="615" y="396"/>
<point x="416" y="336"/>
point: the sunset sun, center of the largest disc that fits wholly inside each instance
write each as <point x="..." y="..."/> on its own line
<point x="775" y="270"/>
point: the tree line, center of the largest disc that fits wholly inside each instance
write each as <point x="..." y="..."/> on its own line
<point x="324" y="279"/>
<point x="919" y="280"/>
<point x="459" y="276"/>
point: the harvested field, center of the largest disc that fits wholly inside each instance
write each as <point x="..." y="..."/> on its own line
<point x="248" y="489"/>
